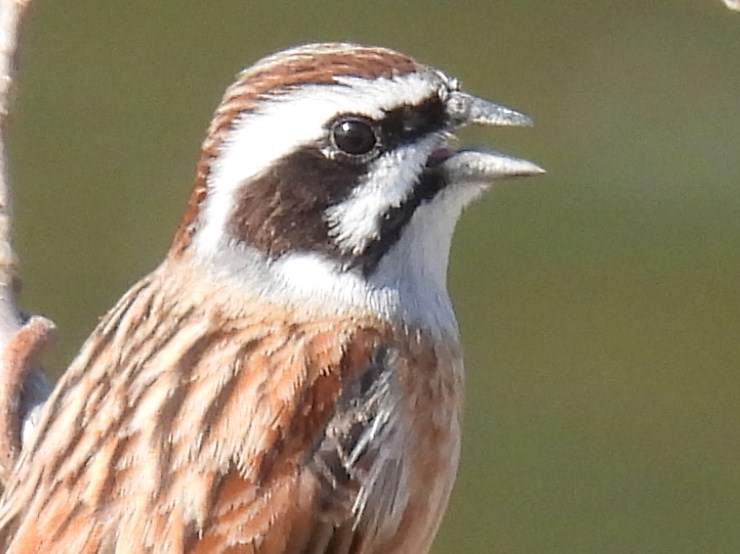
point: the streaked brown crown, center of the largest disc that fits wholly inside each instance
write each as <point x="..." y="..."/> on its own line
<point x="315" y="64"/>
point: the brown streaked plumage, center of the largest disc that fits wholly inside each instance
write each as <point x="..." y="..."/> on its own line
<point x="219" y="450"/>
<point x="289" y="380"/>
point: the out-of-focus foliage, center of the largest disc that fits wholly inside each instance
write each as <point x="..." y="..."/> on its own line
<point x="599" y="304"/>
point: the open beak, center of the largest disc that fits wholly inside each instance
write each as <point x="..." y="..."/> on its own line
<point x="481" y="166"/>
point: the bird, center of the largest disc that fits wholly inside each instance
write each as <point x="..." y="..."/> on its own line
<point x="290" y="378"/>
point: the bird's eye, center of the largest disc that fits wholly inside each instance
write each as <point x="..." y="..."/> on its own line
<point x="354" y="136"/>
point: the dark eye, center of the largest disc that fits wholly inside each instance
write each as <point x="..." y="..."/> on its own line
<point x="354" y="136"/>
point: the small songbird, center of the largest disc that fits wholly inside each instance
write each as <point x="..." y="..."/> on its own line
<point x="289" y="379"/>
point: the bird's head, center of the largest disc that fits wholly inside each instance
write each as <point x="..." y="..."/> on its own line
<point x="330" y="172"/>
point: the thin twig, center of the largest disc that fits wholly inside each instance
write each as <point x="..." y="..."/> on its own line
<point x="11" y="12"/>
<point x="22" y="385"/>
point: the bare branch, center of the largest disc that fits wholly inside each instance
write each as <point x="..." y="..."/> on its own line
<point x="22" y="386"/>
<point x="10" y="16"/>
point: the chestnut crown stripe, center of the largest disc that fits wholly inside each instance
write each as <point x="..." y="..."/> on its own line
<point x="312" y="64"/>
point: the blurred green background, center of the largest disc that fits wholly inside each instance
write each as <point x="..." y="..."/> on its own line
<point x="599" y="304"/>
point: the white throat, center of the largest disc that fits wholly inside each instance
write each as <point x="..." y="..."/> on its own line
<point x="409" y="285"/>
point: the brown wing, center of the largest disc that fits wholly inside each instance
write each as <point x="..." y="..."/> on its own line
<point x="330" y="505"/>
<point x="186" y="428"/>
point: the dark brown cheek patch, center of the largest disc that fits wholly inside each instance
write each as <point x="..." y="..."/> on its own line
<point x="283" y="210"/>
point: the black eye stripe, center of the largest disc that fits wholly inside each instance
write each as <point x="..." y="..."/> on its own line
<point x="408" y="124"/>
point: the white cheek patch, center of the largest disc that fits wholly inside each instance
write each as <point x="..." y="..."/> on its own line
<point x="390" y="180"/>
<point x="283" y="124"/>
